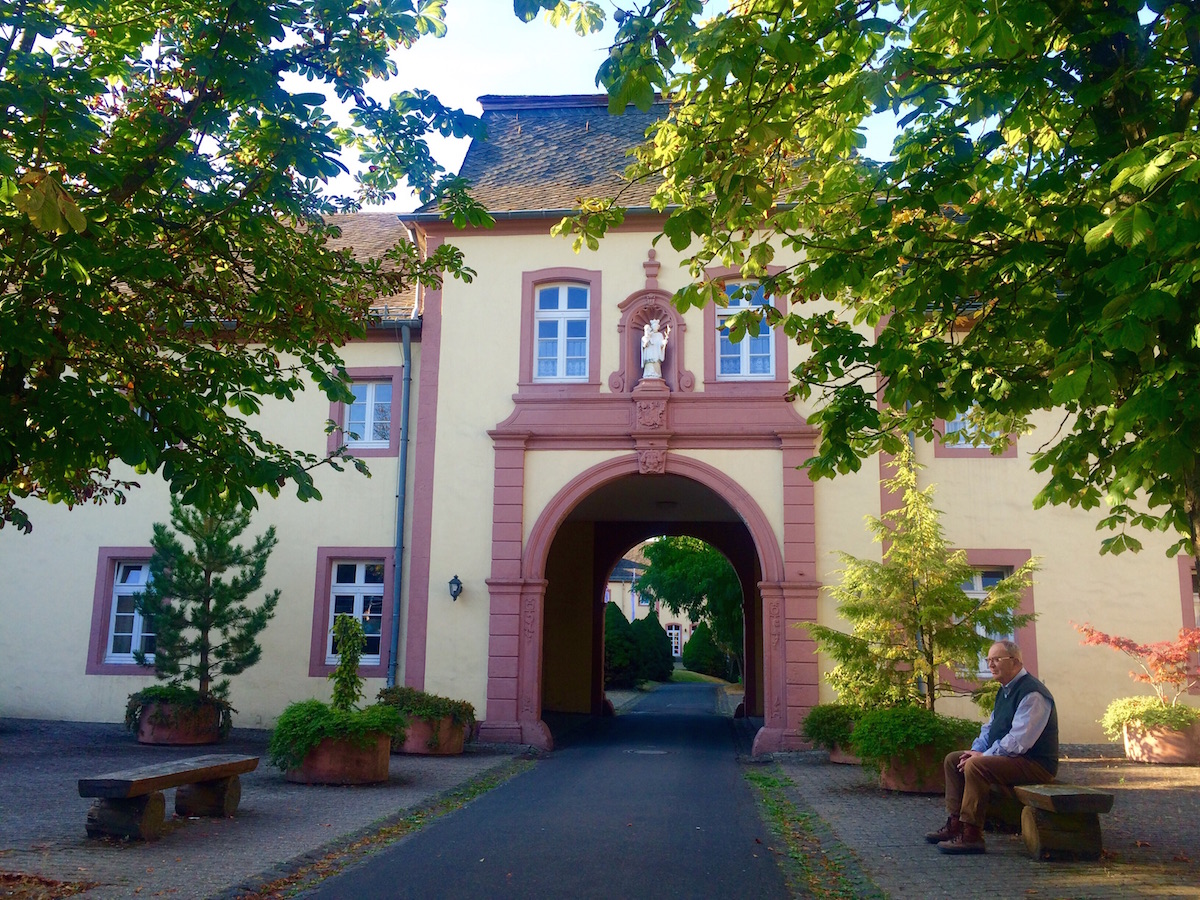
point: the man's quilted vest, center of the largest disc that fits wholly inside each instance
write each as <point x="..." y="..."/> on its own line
<point x="1044" y="752"/>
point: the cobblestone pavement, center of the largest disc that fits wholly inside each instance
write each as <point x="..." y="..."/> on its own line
<point x="1151" y="837"/>
<point x="42" y="815"/>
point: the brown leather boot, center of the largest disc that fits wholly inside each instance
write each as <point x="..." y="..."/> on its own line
<point x="969" y="840"/>
<point x="949" y="831"/>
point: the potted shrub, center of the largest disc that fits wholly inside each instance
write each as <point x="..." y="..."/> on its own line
<point x="1157" y="729"/>
<point x="435" y="725"/>
<point x="829" y="726"/>
<point x="203" y="630"/>
<point x="337" y="742"/>
<point x="906" y="745"/>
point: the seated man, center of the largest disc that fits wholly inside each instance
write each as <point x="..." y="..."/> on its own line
<point x="1017" y="745"/>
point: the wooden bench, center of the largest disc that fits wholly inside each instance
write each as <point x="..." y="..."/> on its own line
<point x="1062" y="821"/>
<point x="132" y="805"/>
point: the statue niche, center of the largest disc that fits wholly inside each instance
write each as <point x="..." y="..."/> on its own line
<point x="654" y="348"/>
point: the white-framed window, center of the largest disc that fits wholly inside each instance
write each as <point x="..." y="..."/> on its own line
<point x="961" y="431"/>
<point x="369" y="417"/>
<point x="978" y="587"/>
<point x="128" y="629"/>
<point x="356" y="589"/>
<point x="561" y="316"/>
<point x="753" y="357"/>
<point x="675" y="633"/>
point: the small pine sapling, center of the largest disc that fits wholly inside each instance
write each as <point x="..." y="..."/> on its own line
<point x="196" y="598"/>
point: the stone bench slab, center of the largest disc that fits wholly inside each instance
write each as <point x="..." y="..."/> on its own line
<point x="160" y="776"/>
<point x="1064" y="798"/>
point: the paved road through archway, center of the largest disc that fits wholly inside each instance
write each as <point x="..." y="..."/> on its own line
<point x="650" y="804"/>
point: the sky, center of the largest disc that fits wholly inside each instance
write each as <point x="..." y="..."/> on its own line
<point x="488" y="50"/>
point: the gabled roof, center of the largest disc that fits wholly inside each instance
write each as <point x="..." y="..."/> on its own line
<point x="626" y="570"/>
<point x="542" y="154"/>
<point x="369" y="235"/>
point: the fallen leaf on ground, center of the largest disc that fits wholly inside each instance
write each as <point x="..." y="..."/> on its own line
<point x="23" y="886"/>
<point x="1141" y="843"/>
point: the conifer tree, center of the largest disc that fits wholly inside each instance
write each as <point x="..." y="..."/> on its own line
<point x="655" y="660"/>
<point x="196" y="599"/>
<point x="911" y="621"/>
<point x="621" y="667"/>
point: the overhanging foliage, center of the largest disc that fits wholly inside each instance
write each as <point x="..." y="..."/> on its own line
<point x="1033" y="245"/>
<point x="164" y="265"/>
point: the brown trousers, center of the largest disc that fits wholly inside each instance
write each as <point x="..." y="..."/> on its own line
<point x="967" y="791"/>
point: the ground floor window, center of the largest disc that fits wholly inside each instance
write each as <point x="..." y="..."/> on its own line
<point x="978" y="586"/>
<point x="357" y="590"/>
<point x="117" y="628"/>
<point x="352" y="581"/>
<point x="129" y="630"/>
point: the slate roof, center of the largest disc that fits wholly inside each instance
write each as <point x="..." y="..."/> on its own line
<point x="545" y="153"/>
<point x="369" y="235"/>
<point x="626" y="570"/>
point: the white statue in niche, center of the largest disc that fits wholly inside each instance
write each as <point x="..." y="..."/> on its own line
<point x="654" y="349"/>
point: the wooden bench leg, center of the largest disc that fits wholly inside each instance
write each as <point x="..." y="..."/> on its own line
<point x="136" y="818"/>
<point x="1050" y="835"/>
<point x="1004" y="810"/>
<point x="218" y="798"/>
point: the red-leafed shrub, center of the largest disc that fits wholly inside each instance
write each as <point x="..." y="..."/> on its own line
<point x="1167" y="666"/>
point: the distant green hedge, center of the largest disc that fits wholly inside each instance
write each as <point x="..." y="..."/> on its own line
<point x="621" y="664"/>
<point x="655" y="662"/>
<point x="701" y="654"/>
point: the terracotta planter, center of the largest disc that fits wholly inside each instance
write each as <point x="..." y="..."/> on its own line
<point x="1162" y="745"/>
<point x="341" y="761"/>
<point x="441" y="737"/>
<point x="916" y="772"/>
<point x="843" y="757"/>
<point x="168" y="723"/>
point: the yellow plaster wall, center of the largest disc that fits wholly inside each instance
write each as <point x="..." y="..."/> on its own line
<point x="760" y="474"/>
<point x="841" y="506"/>
<point x="53" y="572"/>
<point x="567" y="621"/>
<point x="987" y="504"/>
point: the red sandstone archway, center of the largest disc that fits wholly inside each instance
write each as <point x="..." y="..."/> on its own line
<point x="515" y="644"/>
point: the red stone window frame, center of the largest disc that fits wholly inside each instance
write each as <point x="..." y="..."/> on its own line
<point x="1186" y="565"/>
<point x="953" y="451"/>
<point x="1012" y="560"/>
<point x="102" y="597"/>
<point x="337" y="412"/>
<point x="530" y="282"/>
<point x="326" y="557"/>
<point x="712" y="382"/>
<point x="1025" y="637"/>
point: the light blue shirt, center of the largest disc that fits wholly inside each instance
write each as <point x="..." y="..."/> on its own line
<point x="1029" y="721"/>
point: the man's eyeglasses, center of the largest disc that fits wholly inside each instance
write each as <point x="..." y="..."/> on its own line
<point x="996" y="660"/>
